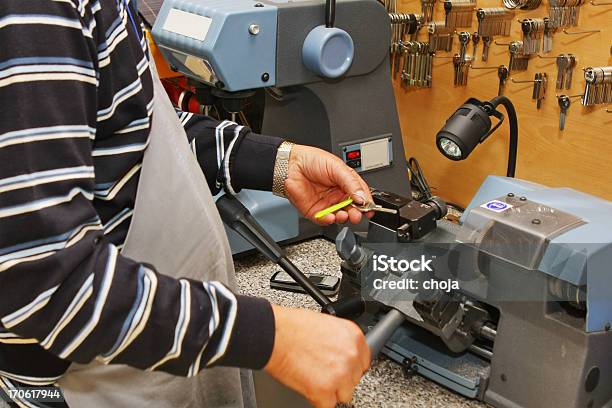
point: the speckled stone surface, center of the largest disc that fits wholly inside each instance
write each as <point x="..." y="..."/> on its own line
<point x="384" y="385"/>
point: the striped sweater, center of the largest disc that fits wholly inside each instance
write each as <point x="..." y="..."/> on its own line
<point x="76" y="101"/>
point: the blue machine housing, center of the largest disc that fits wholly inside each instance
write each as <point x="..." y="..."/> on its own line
<point x="275" y="214"/>
<point x="581" y="256"/>
<point x="241" y="59"/>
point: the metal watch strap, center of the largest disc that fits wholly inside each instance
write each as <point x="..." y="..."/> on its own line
<point x="281" y="168"/>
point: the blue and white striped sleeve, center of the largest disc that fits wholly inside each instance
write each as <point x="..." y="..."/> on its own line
<point x="231" y="156"/>
<point x="62" y="284"/>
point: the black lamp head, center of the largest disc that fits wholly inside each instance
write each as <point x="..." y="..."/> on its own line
<point x="467" y="127"/>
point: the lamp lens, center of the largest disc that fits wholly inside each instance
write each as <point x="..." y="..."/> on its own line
<point x="450" y="148"/>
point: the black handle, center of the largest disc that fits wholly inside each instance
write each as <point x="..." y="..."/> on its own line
<point x="236" y="216"/>
<point x="378" y="335"/>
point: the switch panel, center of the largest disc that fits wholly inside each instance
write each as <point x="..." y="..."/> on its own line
<point x="369" y="154"/>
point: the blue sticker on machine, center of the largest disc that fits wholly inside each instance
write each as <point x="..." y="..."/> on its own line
<point x="496" y="206"/>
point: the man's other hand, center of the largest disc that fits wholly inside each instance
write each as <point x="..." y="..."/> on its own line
<point x="318" y="179"/>
<point x="320" y="356"/>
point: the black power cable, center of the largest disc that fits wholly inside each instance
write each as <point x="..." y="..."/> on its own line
<point x="419" y="182"/>
<point x="330" y="13"/>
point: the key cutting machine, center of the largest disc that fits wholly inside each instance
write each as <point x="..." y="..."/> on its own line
<point x="325" y="68"/>
<point x="528" y="326"/>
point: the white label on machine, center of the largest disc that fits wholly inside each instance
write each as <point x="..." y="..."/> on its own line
<point x="187" y="24"/>
<point x="375" y="154"/>
<point x="496" y="206"/>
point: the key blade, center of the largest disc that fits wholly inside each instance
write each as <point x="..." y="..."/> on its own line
<point x="384" y="210"/>
<point x="562" y="121"/>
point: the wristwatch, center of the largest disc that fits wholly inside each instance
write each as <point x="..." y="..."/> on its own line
<point x="281" y="168"/>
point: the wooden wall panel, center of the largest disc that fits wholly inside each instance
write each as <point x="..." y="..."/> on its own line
<point x="578" y="157"/>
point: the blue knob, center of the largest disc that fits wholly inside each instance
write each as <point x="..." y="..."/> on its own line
<point x="328" y="51"/>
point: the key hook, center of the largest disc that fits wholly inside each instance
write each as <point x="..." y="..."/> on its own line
<point x="525" y="81"/>
<point x="581" y="32"/>
<point x="499" y="43"/>
<point x="570" y="96"/>
<point x="473" y="67"/>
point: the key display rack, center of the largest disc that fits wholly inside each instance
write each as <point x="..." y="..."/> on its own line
<point x="450" y="50"/>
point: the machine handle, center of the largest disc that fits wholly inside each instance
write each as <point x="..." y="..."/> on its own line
<point x="236" y="216"/>
<point x="378" y="335"/>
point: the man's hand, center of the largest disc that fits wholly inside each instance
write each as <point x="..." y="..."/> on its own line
<point x="318" y="179"/>
<point x="320" y="356"/>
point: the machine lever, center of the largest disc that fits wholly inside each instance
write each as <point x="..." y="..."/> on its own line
<point x="378" y="335"/>
<point x="236" y="216"/>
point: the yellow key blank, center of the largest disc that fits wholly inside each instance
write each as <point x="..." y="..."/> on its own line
<point x="334" y="208"/>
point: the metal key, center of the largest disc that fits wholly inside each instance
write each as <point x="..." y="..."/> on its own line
<point x="464" y="40"/>
<point x="486" y="43"/>
<point x="564" y="104"/>
<point x="570" y="70"/>
<point x="562" y="62"/>
<point x="370" y="206"/>
<point x="475" y="41"/>
<point x="502" y="73"/>
<point x="457" y="68"/>
<point x="539" y="88"/>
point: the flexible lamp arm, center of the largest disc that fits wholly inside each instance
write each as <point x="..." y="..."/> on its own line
<point x="330" y="13"/>
<point x="513" y="148"/>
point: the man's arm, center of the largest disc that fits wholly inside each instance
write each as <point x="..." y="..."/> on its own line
<point x="60" y="282"/>
<point x="230" y="155"/>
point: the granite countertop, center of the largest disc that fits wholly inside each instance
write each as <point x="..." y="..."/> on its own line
<point x="384" y="385"/>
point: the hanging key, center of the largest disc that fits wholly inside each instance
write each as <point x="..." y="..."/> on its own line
<point x="457" y="68"/>
<point x="542" y="89"/>
<point x="397" y="33"/>
<point x="564" y="13"/>
<point x="547" y="39"/>
<point x="502" y="73"/>
<point x="536" y="85"/>
<point x="562" y="62"/>
<point x="518" y="60"/>
<point x="427" y="9"/>
<point x="418" y="61"/>
<point x="406" y="69"/>
<point x="569" y="70"/>
<point x="459" y="13"/>
<point x="533" y="31"/>
<point x="598" y="87"/>
<point x="540" y="83"/>
<point x="461" y="68"/>
<point x="440" y="37"/>
<point x="564" y="104"/>
<point x="475" y="41"/>
<point x="494" y="21"/>
<point x="486" y="44"/>
<point x="464" y="40"/>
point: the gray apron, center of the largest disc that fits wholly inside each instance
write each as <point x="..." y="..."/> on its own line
<point x="176" y="228"/>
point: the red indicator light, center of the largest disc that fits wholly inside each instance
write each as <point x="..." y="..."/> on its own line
<point x="355" y="154"/>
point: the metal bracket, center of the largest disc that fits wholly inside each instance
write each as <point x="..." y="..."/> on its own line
<point x="410" y="367"/>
